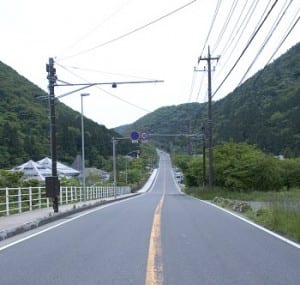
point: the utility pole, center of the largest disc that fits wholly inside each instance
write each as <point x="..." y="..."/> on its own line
<point x="203" y="157"/>
<point x="210" y="142"/>
<point x="52" y="183"/>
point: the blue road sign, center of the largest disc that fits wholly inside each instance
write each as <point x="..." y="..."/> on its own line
<point x="134" y="136"/>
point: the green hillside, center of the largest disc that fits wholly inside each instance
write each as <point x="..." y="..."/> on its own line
<point x="24" y="126"/>
<point x="264" y="111"/>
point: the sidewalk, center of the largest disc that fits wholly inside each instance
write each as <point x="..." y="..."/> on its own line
<point x="19" y="223"/>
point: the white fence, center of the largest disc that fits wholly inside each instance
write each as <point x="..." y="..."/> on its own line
<point x="22" y="199"/>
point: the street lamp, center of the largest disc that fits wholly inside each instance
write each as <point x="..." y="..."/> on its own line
<point x="82" y="147"/>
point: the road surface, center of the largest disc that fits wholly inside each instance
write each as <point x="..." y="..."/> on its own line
<point x="160" y="237"/>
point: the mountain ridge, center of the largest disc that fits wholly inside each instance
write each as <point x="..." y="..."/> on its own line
<point x="264" y="110"/>
<point x="24" y="126"/>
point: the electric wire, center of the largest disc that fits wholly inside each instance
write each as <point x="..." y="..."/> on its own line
<point x="103" y="90"/>
<point x="211" y="25"/>
<point x="291" y="28"/>
<point x="225" y="25"/>
<point x="200" y="88"/>
<point x="240" y="32"/>
<point x="87" y="34"/>
<point x="131" y="32"/>
<point x="106" y="72"/>
<point x="192" y="86"/>
<point x="236" y="26"/>
<point x="217" y="8"/>
<point x="268" y="37"/>
<point x="246" y="47"/>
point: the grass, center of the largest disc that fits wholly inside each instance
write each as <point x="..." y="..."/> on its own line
<point x="281" y="212"/>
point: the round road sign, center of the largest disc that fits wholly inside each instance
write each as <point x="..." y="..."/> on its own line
<point x="134" y="136"/>
<point x="144" y="136"/>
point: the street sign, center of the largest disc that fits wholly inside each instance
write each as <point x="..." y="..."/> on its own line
<point x="144" y="136"/>
<point x="134" y="136"/>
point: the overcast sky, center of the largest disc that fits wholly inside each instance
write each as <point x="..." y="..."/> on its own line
<point x="137" y="40"/>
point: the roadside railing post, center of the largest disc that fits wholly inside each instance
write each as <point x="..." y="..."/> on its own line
<point x="40" y="197"/>
<point x="30" y="198"/>
<point x="7" y="201"/>
<point x="19" y="200"/>
<point x="66" y="190"/>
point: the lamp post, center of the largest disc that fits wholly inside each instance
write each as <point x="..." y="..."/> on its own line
<point x="82" y="148"/>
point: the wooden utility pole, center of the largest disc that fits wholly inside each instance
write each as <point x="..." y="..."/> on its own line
<point x="210" y="121"/>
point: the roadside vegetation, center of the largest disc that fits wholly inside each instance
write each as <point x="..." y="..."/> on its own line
<point x="270" y="187"/>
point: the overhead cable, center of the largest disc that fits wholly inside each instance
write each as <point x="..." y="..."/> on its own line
<point x="268" y="37"/>
<point x="246" y="47"/>
<point x="99" y="25"/>
<point x="132" y="31"/>
<point x="225" y="25"/>
<point x="105" y="91"/>
<point x="211" y="25"/>
<point x="290" y="29"/>
<point x="233" y="32"/>
<point x="240" y="31"/>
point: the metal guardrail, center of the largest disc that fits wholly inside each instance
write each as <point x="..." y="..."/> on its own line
<point x="23" y="199"/>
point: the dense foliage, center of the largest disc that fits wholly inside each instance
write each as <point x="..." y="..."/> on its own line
<point x="24" y="126"/>
<point x="242" y="167"/>
<point x="264" y="111"/>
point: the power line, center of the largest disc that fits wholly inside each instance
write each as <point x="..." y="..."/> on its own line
<point x="240" y="31"/>
<point x="211" y="25"/>
<point x="132" y="31"/>
<point x="247" y="46"/>
<point x="217" y="8"/>
<point x="225" y="25"/>
<point x="285" y="37"/>
<point x="105" y="91"/>
<point x="274" y="27"/>
<point x="233" y="33"/>
<point x="99" y="25"/>
<point x="106" y="72"/>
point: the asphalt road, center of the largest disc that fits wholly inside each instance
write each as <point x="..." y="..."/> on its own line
<point x="161" y="237"/>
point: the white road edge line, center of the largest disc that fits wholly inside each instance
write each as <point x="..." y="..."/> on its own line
<point x="64" y="222"/>
<point x="290" y="242"/>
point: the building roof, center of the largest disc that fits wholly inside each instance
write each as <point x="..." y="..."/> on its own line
<point x="62" y="169"/>
<point x="33" y="170"/>
<point x="41" y="169"/>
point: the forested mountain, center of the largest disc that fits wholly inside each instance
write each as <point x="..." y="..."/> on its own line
<point x="264" y="111"/>
<point x="24" y="126"/>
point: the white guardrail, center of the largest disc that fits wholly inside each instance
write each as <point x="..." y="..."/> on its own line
<point x="23" y="199"/>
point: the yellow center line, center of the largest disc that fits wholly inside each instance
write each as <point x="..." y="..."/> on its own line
<point x="154" y="274"/>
